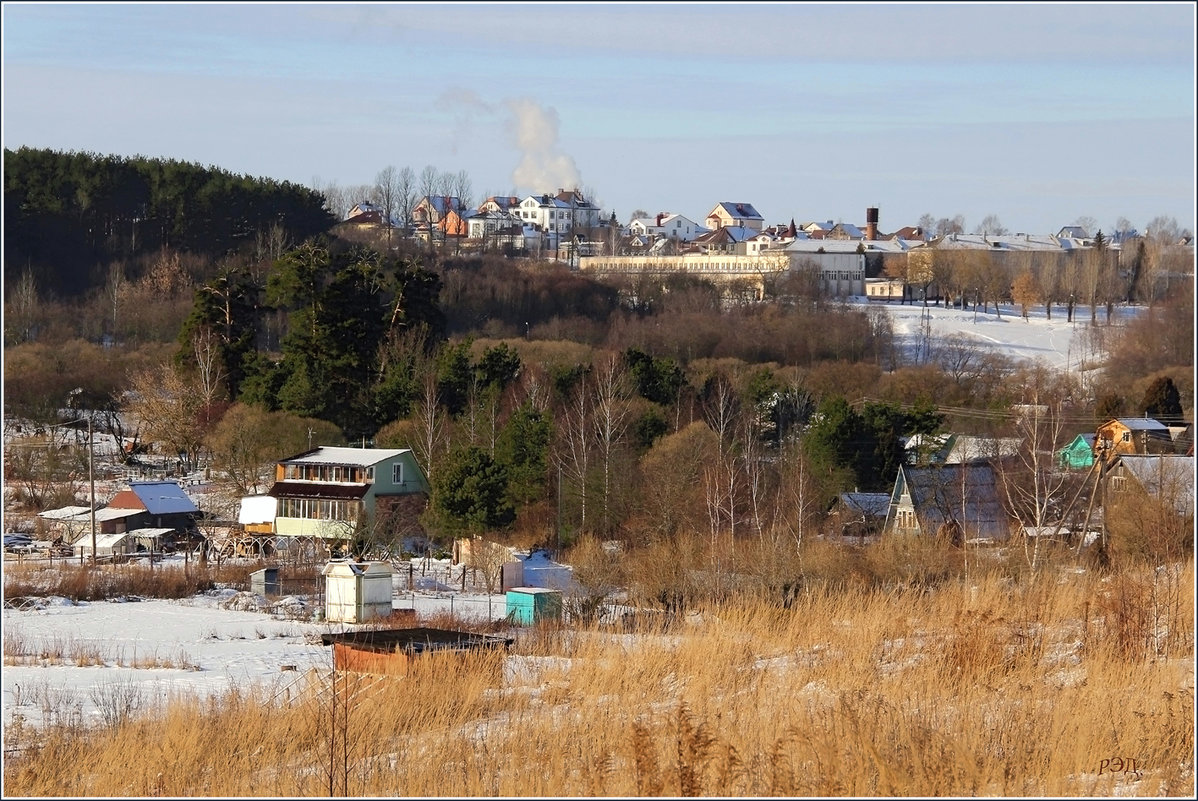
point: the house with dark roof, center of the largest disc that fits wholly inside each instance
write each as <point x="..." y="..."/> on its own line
<point x="960" y="501"/>
<point x="156" y="504"/>
<point x="859" y="514"/>
<point x="1168" y="478"/>
<point x="735" y="215"/>
<point x="725" y="240"/>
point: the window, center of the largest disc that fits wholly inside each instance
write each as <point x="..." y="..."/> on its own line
<point x="1127" y="436"/>
<point x="397" y="473"/>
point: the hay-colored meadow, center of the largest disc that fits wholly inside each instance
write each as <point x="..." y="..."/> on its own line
<point x="1064" y="683"/>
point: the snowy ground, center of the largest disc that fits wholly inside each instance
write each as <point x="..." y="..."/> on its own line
<point x="1056" y="343"/>
<point x="148" y="649"/>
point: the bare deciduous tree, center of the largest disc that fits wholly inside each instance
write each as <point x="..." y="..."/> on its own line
<point x="612" y="412"/>
<point x="430" y="425"/>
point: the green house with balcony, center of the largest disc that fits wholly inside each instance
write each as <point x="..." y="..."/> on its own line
<point x="328" y="491"/>
<point x="1077" y="455"/>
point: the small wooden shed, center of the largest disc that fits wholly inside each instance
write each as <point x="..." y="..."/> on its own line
<point x="356" y="592"/>
<point x="391" y="651"/>
<point x="529" y="605"/>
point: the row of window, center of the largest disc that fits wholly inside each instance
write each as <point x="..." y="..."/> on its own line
<point x="338" y="474"/>
<point x="315" y="509"/>
<point x="328" y="473"/>
<point x="553" y="215"/>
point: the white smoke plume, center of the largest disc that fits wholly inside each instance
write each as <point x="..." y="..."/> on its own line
<point x="543" y="167"/>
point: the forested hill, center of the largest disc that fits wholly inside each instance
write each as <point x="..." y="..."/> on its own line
<point x="68" y="213"/>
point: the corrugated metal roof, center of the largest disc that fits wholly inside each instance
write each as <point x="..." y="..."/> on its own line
<point x="102" y="540"/>
<point x="151" y="533"/>
<point x="102" y="515"/>
<point x="163" y="497"/>
<point x="1142" y="424"/>
<point x="358" y="457"/>
<point x="874" y="504"/>
<point x="64" y="513"/>
<point x="1167" y="477"/>
<point x="965" y="493"/>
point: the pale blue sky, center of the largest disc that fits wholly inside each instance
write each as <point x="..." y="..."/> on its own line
<point x="1037" y="113"/>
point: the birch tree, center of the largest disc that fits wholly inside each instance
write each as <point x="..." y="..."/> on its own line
<point x="612" y="417"/>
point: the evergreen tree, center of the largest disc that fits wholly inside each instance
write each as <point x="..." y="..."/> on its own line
<point x="523" y="450"/>
<point x="471" y="492"/>
<point x="1162" y="401"/>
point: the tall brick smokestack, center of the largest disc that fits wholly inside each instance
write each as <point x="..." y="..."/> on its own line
<point x="871" y="223"/>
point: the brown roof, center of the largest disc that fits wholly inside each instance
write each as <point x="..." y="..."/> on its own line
<point x="307" y="489"/>
<point x="416" y="640"/>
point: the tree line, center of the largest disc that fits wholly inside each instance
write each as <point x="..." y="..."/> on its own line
<point x="68" y="214"/>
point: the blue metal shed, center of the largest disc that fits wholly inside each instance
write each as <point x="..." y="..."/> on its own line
<point x="529" y="605"/>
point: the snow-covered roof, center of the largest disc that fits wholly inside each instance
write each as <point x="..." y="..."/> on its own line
<point x="1164" y="476"/>
<point x="359" y="457"/>
<point x="64" y="513"/>
<point x="102" y="540"/>
<point x="740" y="211"/>
<point x="84" y="515"/>
<point x="257" y="509"/>
<point x="1009" y="242"/>
<point x="801" y="245"/>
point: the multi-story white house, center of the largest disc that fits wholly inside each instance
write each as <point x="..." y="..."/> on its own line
<point x="674" y="226"/>
<point x="559" y="215"/>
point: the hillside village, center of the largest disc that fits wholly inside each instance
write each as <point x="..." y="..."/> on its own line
<point x="733" y="244"/>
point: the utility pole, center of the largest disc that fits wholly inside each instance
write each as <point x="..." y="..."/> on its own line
<point x="91" y="479"/>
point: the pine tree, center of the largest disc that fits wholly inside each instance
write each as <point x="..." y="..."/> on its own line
<point x="1162" y="401"/>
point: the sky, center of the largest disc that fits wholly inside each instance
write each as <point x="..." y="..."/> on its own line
<point x="1038" y="114"/>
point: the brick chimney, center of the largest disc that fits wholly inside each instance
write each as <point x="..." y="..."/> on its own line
<point x="871" y="223"/>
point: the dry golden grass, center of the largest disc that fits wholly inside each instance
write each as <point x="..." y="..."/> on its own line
<point x="988" y="687"/>
<point x="82" y="652"/>
<point x="87" y="583"/>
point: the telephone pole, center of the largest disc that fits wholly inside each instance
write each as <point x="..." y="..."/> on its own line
<point x="91" y="480"/>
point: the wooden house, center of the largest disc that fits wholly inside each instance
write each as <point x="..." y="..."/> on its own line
<point x="1167" y="478"/>
<point x="1134" y="435"/>
<point x="960" y="501"/>
<point x="859" y="514"/>
<point x="326" y="491"/>
<point x="158" y="504"/>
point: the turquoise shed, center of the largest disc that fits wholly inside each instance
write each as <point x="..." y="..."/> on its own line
<point x="529" y="605"/>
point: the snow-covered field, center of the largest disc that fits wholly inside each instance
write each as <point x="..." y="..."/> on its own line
<point x="82" y="655"/>
<point x="1056" y="343"/>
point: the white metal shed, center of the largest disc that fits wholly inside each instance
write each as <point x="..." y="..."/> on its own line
<point x="356" y="592"/>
